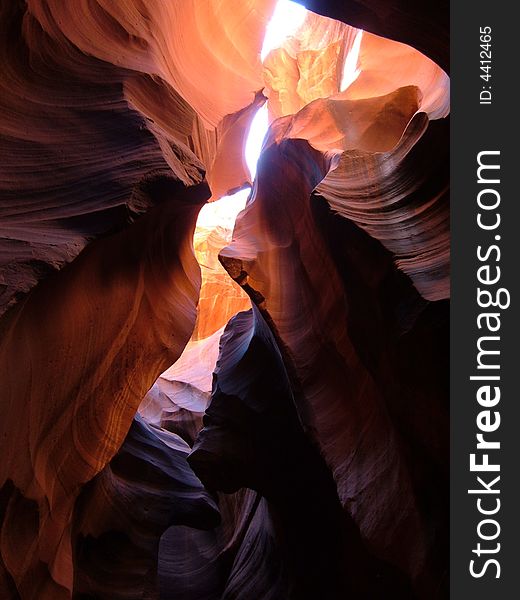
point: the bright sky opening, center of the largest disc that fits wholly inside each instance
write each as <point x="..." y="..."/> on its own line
<point x="255" y="138"/>
<point x="223" y="212"/>
<point x="350" y="67"/>
<point x="287" y="18"/>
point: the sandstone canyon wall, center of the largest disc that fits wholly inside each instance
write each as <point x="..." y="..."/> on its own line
<point x="193" y="408"/>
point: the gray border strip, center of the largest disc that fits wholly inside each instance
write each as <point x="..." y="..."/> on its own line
<point x="475" y="128"/>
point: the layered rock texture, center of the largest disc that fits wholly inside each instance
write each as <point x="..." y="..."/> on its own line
<point x="198" y="408"/>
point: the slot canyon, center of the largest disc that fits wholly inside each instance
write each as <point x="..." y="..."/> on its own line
<point x="224" y="300"/>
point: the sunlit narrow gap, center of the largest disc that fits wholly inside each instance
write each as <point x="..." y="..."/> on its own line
<point x="223" y="212"/>
<point x="255" y="138"/>
<point x="287" y="18"/>
<point x="350" y="67"/>
<point x="187" y="383"/>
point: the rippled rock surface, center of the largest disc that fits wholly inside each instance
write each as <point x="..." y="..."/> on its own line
<point x="205" y="409"/>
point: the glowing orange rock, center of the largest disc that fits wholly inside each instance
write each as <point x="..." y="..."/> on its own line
<point x="106" y="326"/>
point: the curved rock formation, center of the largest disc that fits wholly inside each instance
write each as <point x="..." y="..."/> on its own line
<point x="81" y="351"/>
<point x="423" y="25"/>
<point x="369" y="124"/>
<point x="157" y="441"/>
<point x="409" y="213"/>
<point x="122" y="513"/>
<point x="208" y="52"/>
<point x="324" y="57"/>
<point x="77" y="80"/>
<point x="347" y="388"/>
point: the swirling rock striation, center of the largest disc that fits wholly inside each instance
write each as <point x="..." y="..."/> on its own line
<point x="81" y="351"/>
<point x="339" y="360"/>
<point x="252" y="401"/>
<point x="122" y="513"/>
<point x="318" y="448"/>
